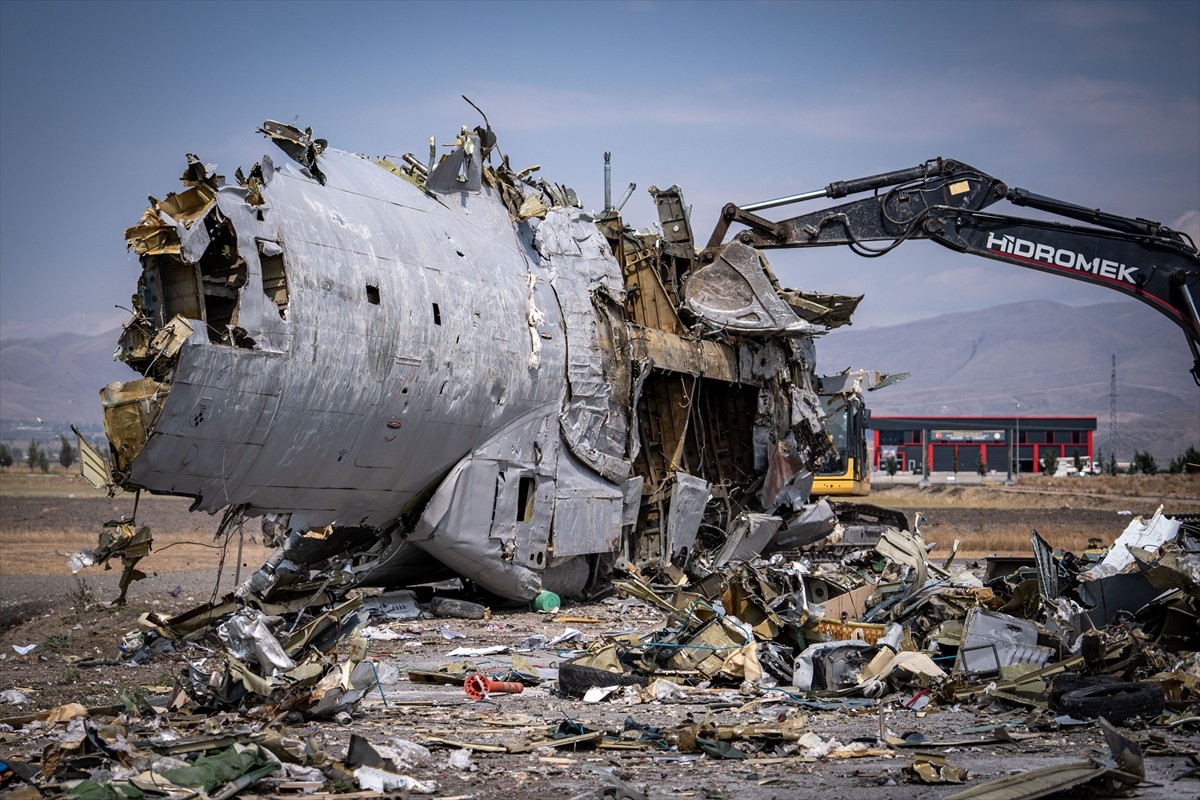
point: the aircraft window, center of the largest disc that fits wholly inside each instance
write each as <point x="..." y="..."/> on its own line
<point x="372" y="294"/>
<point x="222" y="276"/>
<point x="525" y="499"/>
<point x="437" y="315"/>
<point x="274" y="277"/>
<point x="172" y="282"/>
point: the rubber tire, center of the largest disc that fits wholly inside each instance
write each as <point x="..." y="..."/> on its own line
<point x="1116" y="702"/>
<point x="1070" y="681"/>
<point x="574" y="679"/>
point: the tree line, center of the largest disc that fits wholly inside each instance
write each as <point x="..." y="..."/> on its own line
<point x="38" y="457"/>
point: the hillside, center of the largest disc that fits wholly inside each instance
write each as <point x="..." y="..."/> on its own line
<point x="1051" y="358"/>
<point x="59" y="377"/>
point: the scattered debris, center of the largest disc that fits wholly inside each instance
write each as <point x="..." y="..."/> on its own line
<point x="894" y="634"/>
<point x="118" y="538"/>
<point x="1118" y="775"/>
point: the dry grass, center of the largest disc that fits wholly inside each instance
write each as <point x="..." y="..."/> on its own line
<point x="1166" y="486"/>
<point x="1100" y="492"/>
<point x="36" y="553"/>
<point x="20" y="482"/>
<point x="993" y="519"/>
<point x="1010" y="543"/>
<point x="46" y="517"/>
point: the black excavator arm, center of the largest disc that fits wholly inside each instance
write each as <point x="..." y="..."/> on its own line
<point x="944" y="201"/>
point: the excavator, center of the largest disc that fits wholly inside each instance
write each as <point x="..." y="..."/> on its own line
<point x="944" y="200"/>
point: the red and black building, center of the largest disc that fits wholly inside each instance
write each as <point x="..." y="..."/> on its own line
<point x="962" y="444"/>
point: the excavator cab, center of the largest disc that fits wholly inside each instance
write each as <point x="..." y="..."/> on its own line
<point x="844" y="472"/>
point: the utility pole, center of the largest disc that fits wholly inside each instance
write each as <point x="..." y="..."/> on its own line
<point x="924" y="482"/>
<point x="1011" y="451"/>
<point x="1017" y="437"/>
<point x="1112" y="409"/>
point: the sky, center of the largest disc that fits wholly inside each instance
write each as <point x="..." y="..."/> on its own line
<point x="1094" y="103"/>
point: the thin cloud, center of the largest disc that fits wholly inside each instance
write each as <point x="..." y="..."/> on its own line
<point x="1189" y="222"/>
<point x="931" y="108"/>
<point x="1090" y="17"/>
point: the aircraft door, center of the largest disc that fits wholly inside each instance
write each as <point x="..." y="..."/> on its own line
<point x="388" y="431"/>
<point x="524" y="507"/>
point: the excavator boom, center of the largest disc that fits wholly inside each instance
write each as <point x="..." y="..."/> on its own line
<point x="945" y="201"/>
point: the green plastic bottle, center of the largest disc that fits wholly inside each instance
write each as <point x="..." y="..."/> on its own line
<point x="546" y="601"/>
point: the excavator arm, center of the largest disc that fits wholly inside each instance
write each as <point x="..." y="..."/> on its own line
<point x="945" y="201"/>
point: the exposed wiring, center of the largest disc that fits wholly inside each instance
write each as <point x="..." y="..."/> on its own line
<point x="194" y="544"/>
<point x="233" y="515"/>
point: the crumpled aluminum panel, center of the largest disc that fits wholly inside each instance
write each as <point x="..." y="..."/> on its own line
<point x="689" y="495"/>
<point x="596" y="415"/>
<point x="992" y="640"/>
<point x="472" y="523"/>
<point x="588" y="510"/>
<point x="322" y="396"/>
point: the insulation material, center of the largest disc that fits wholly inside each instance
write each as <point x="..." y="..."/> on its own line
<point x="1141" y="533"/>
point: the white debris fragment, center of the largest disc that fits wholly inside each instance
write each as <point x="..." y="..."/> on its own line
<point x="661" y="689"/>
<point x="816" y="747"/>
<point x="403" y="753"/>
<point x="1140" y="534"/>
<point x="568" y="635"/>
<point x="460" y="761"/>
<point x="386" y="673"/>
<point x="384" y="633"/>
<point x="477" y="651"/>
<point x="79" y="561"/>
<point x="597" y="694"/>
<point x="371" y="779"/>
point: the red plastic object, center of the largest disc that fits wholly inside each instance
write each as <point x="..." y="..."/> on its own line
<point x="478" y="686"/>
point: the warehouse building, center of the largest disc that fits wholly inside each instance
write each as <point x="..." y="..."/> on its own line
<point x="963" y="444"/>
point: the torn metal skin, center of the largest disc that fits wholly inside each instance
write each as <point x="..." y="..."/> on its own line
<point x="118" y="538"/>
<point x="454" y="370"/>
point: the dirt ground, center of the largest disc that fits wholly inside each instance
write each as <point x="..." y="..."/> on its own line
<point x="77" y="659"/>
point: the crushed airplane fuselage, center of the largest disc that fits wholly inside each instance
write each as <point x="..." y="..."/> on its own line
<point x="450" y="368"/>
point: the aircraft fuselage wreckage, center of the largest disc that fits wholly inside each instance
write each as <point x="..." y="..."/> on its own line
<point x="445" y="368"/>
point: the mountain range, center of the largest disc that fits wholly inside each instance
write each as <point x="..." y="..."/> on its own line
<point x="1036" y="358"/>
<point x="1051" y="359"/>
<point x="58" y="378"/>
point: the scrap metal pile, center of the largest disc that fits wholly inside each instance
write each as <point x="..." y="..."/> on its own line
<point x="1109" y="634"/>
<point x="890" y="619"/>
